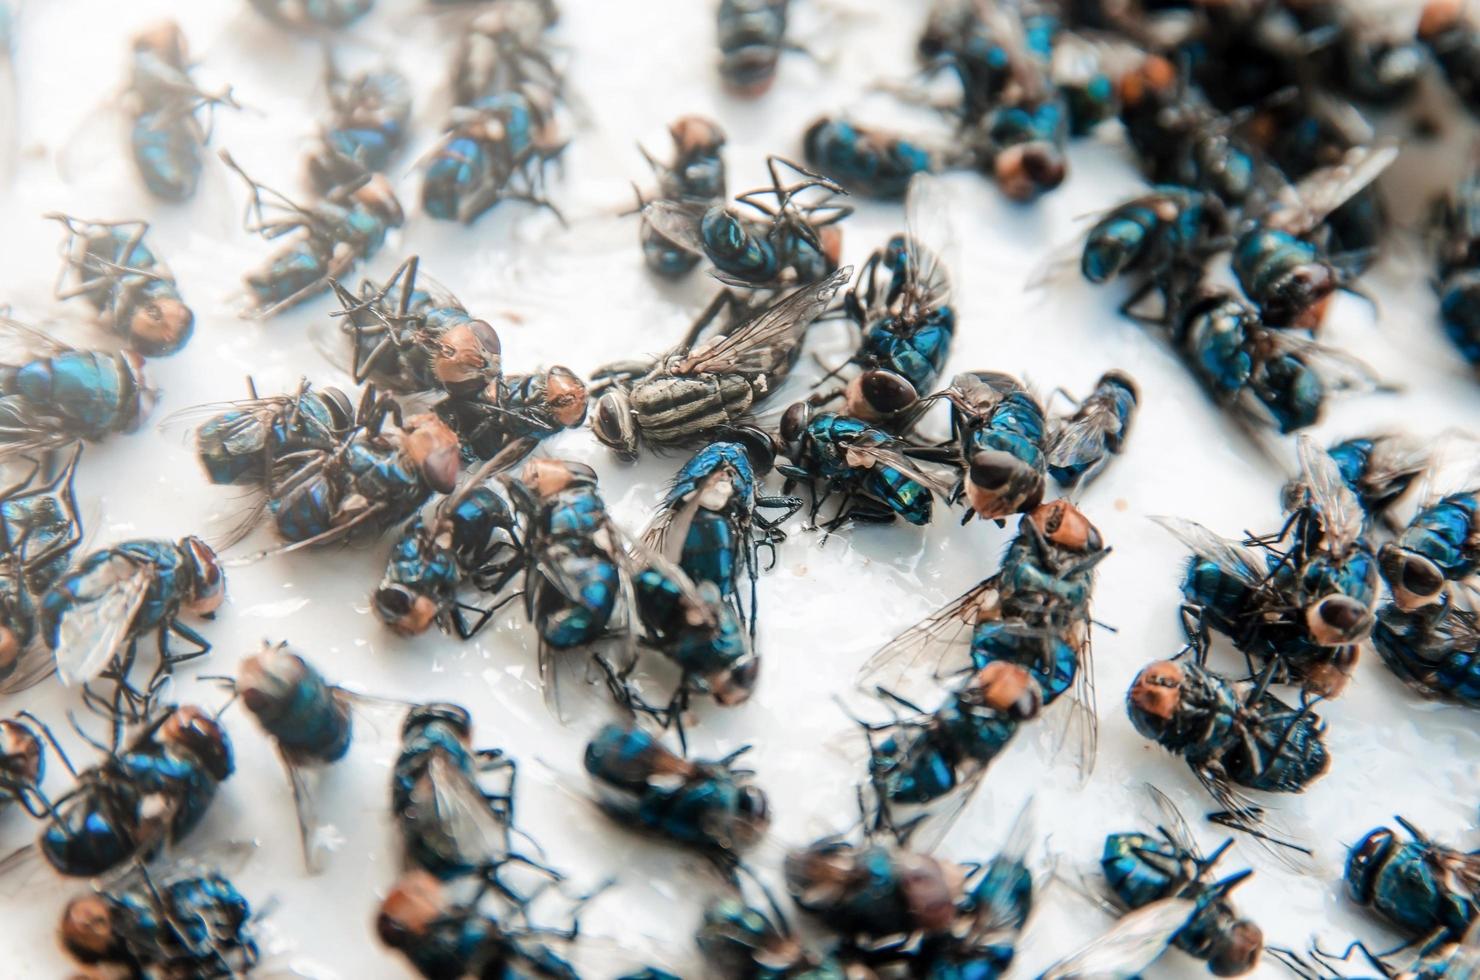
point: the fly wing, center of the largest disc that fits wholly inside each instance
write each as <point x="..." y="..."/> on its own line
<point x="884" y="455"/>
<point x="932" y="239"/>
<point x="768" y="338"/>
<point x="475" y="830"/>
<point x="1240" y="812"/>
<point x="1339" y="372"/>
<point x="1341" y="512"/>
<point x="1133" y="944"/>
<point x="670" y="528"/>
<point x="311" y="830"/>
<point x="1080" y="441"/>
<point x="1242" y="562"/>
<point x="939" y="643"/>
<point x="21" y="342"/>
<point x="678" y="221"/>
<point x="98" y="624"/>
<point x="996" y="920"/>
<point x="1173" y="824"/>
<point x="1323" y="191"/>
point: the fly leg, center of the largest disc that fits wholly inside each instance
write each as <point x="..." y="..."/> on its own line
<point x="466" y="630"/>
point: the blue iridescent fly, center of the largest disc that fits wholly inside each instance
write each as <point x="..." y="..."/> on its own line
<point x="1017" y="640"/>
<point x="754" y="941"/>
<point x="1278" y="260"/>
<point x="147" y="793"/>
<point x="467" y="539"/>
<point x="867" y="160"/>
<point x="788" y="234"/>
<point x="709" y="805"/>
<point x="1425" y="890"/>
<point x="752" y="35"/>
<point x="53" y="395"/>
<point x="710" y="525"/>
<point x="1436" y="551"/>
<point x="133" y="291"/>
<point x="498" y="149"/>
<point x="39" y="530"/>
<point x="1232" y="734"/>
<point x="1143" y="868"/>
<point x="1456" y="222"/>
<point x="411" y="336"/>
<point x="1434" y="648"/>
<point x="93" y="617"/>
<point x="166" y="138"/>
<point x="1001" y="434"/>
<point x="868" y="468"/>
<point x="313" y="14"/>
<point x="310" y="722"/>
<point x="1164" y="232"/>
<point x="1265" y="378"/>
<point x="185" y="921"/>
<point x="367" y="128"/>
<point x="249" y="443"/>
<point x="696" y="176"/>
<point x="1082" y="444"/>
<point x="901" y="305"/>
<point x="452" y="825"/>
<point x="346" y="226"/>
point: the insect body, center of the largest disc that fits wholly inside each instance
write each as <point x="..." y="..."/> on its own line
<point x="866" y="160"/>
<point x="498" y="148"/>
<point x="92" y="617"/>
<point x="1439" y="546"/>
<point x="143" y="796"/>
<point x="449" y="825"/>
<point x="184" y="923"/>
<point x="1435" y="648"/>
<point x="108" y="264"/>
<point x="467" y="539"/>
<point x="39" y="530"/>
<point x="371" y="112"/>
<point x="1080" y="445"/>
<point x="1422" y="888"/>
<point x="1168" y="230"/>
<point x="1001" y="435"/>
<point x="873" y="890"/>
<point x="752" y="34"/>
<point x="696" y="176"/>
<point x="252" y="442"/>
<point x="1457" y="227"/>
<point x="165" y="136"/>
<point x="744" y="942"/>
<point x="708" y="805"/>
<point x="1145" y="868"/>
<point x="1231" y="734"/>
<point x="303" y="14"/>
<point x="1378" y="469"/>
<point x="55" y="395"/>
<point x="697" y="393"/>
<point x="346" y="226"/>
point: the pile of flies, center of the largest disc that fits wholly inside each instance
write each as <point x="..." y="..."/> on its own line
<point x="369" y="115"/>
<point x="180" y="920"/>
<point x="695" y="178"/>
<point x="166" y="137"/>
<point x="505" y="131"/>
<point x="342" y="227"/>
<point x="412" y="337"/>
<point x="897" y="910"/>
<point x="54" y="395"/>
<point x="152" y="787"/>
<point x="1010" y="645"/>
<point x="1142" y="868"/>
<point x="772" y="237"/>
<point x="132" y="291"/>
<point x="710" y="388"/>
<point x="321" y="471"/>
<point x="40" y="528"/>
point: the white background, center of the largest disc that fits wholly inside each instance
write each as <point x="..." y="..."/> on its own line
<point x="581" y="296"/>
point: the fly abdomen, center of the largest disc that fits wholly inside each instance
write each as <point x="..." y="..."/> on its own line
<point x="674" y="410"/>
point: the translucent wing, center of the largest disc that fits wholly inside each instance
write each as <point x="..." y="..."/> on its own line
<point x="928" y="222"/>
<point x="304" y="781"/>
<point x="1340" y="372"/>
<point x="996" y="919"/>
<point x="1341" y="512"/>
<point x="1082" y="724"/>
<point x="1244" y="563"/>
<point x="100" y="621"/>
<point x="21" y="342"/>
<point x="677" y="221"/>
<point x="1079" y="441"/>
<point x="939" y="644"/>
<point x="1133" y="944"/>
<point x="933" y="821"/>
<point x="1326" y="189"/>
<point x="1173" y="824"/>
<point x="474" y="830"/>
<point x="768" y="338"/>
<point x="1241" y="812"/>
<point x="883" y="455"/>
<point x="670" y="528"/>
